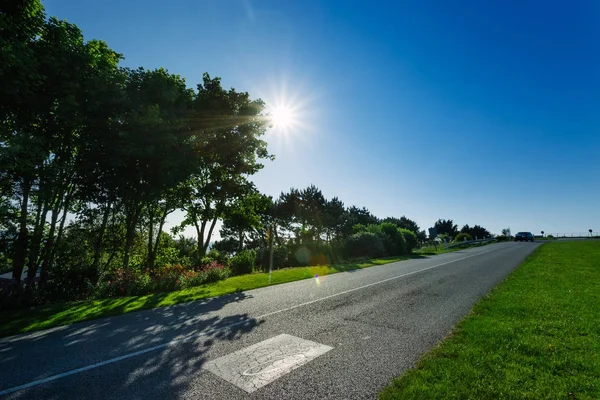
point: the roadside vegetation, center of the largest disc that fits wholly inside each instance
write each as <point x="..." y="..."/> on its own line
<point x="96" y="157"/>
<point x="534" y="337"/>
<point x="58" y="314"/>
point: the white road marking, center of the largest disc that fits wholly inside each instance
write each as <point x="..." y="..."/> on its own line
<point x="211" y="331"/>
<point x="260" y="364"/>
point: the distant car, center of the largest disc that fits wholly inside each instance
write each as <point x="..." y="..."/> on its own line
<point x="524" y="237"/>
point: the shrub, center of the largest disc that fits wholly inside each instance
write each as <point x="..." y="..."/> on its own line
<point x="392" y="239"/>
<point x="243" y="262"/>
<point x="167" y="278"/>
<point x="280" y="258"/>
<point x="125" y="283"/>
<point x="550" y="236"/>
<point x="214" y="255"/>
<point x="166" y="256"/>
<point x="461" y="237"/>
<point x="214" y="272"/>
<point x="502" y="238"/>
<point x="410" y="239"/>
<point x="191" y="278"/>
<point x="364" y="244"/>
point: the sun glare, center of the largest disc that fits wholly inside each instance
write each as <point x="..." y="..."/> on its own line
<point x="282" y="117"/>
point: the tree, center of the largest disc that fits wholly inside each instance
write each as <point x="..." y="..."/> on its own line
<point x="244" y="216"/>
<point x="153" y="146"/>
<point x="475" y="231"/>
<point x="443" y="226"/>
<point x="356" y="216"/>
<point x="506" y="232"/>
<point x="226" y="127"/>
<point x="406" y="223"/>
<point x="334" y="218"/>
<point x="462" y="236"/>
<point x="304" y="213"/>
<point x="43" y="115"/>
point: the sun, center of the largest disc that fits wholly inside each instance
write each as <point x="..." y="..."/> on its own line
<point x="282" y="117"/>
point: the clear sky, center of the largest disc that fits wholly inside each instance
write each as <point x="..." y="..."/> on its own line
<point x="485" y="112"/>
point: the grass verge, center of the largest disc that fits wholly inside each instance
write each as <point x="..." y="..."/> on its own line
<point x="44" y="317"/>
<point x="536" y="336"/>
<point x="441" y="248"/>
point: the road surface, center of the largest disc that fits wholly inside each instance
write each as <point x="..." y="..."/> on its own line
<point x="343" y="336"/>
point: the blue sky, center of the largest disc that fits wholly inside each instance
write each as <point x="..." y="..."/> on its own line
<point x="485" y="112"/>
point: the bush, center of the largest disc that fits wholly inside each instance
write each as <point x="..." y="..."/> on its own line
<point x="190" y="278"/>
<point x="502" y="238"/>
<point x="364" y="244"/>
<point x="214" y="272"/>
<point x="167" y="278"/>
<point x="461" y="237"/>
<point x="214" y="255"/>
<point x="410" y="239"/>
<point x="281" y="256"/>
<point x="70" y="282"/>
<point x="392" y="239"/>
<point x="164" y="279"/>
<point x="125" y="283"/>
<point x="243" y="262"/>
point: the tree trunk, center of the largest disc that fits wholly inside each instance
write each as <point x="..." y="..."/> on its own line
<point x="150" y="238"/>
<point x="36" y="241"/>
<point x="131" y="222"/>
<point x="47" y="251"/>
<point x="22" y="238"/>
<point x="100" y="238"/>
<point x="152" y="258"/>
<point x="49" y="248"/>
<point x="241" y="240"/>
<point x="207" y="241"/>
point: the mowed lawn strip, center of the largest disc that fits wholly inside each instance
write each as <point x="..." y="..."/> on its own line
<point x="536" y="336"/>
<point x="44" y="317"/>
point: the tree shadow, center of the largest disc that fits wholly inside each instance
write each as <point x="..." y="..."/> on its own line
<point x="159" y="374"/>
<point x="35" y="356"/>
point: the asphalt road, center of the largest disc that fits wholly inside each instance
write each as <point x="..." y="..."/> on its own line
<point x="371" y="324"/>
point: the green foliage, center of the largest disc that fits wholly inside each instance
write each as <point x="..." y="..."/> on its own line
<point x="364" y="245"/>
<point x="215" y="256"/>
<point x="444" y="237"/>
<point x="502" y="238"/>
<point x="164" y="279"/>
<point x="96" y="156"/>
<point x="476" y="231"/>
<point x="215" y="272"/>
<point x="410" y="239"/>
<point x="461" y="237"/>
<point x="59" y="314"/>
<point x="227" y="245"/>
<point x="243" y="262"/>
<point x="393" y="240"/>
<point x="406" y="223"/>
<point x="447" y="227"/>
<point x="281" y="258"/>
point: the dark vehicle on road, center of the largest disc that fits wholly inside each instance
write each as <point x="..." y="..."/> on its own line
<point x="524" y="237"/>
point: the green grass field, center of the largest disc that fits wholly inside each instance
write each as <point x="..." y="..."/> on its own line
<point x="536" y="336"/>
<point x="44" y="317"/>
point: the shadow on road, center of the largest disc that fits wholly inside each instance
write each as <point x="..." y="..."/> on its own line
<point x="192" y="328"/>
